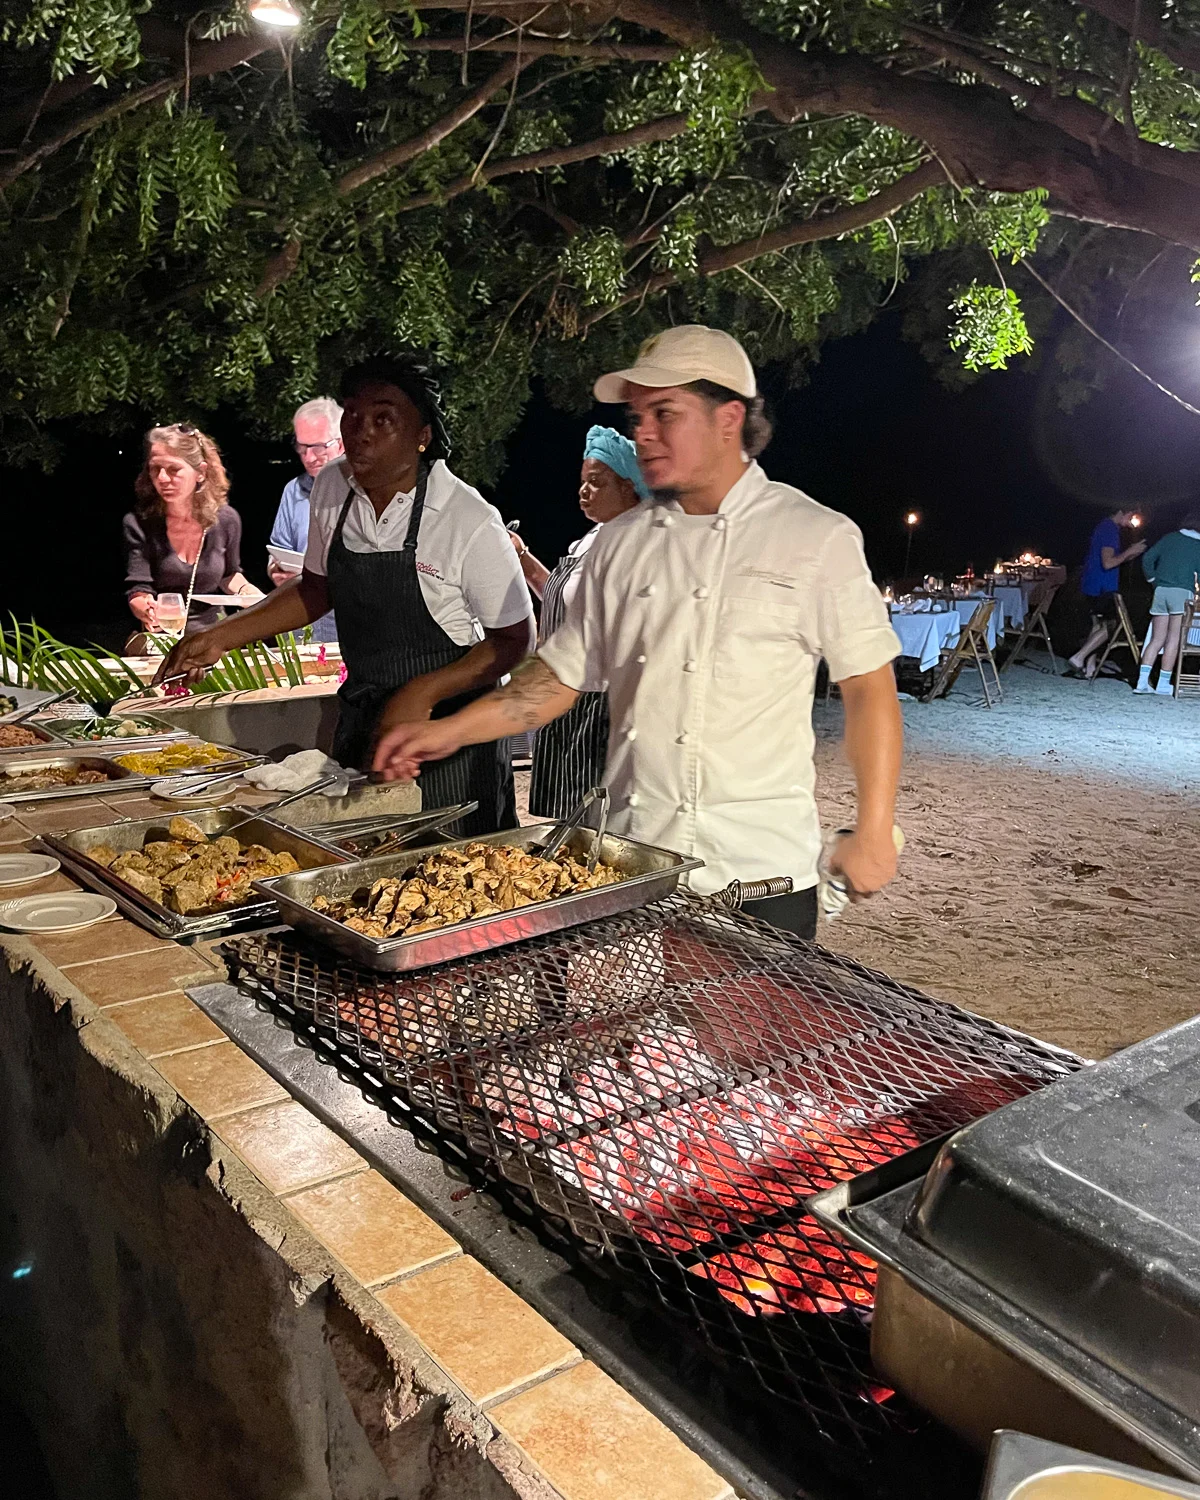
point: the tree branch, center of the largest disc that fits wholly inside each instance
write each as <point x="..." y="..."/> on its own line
<point x="558" y="156"/>
<point x="134" y="99"/>
<point x="432" y="135"/>
<point x="828" y="226"/>
<point x="202" y="58"/>
<point x="1083" y="122"/>
<point x="602" y="51"/>
<point x="1141" y="23"/>
<point x="980" y="136"/>
<point x="281" y="265"/>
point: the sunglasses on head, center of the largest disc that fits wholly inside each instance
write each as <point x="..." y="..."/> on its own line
<point x="186" y="428"/>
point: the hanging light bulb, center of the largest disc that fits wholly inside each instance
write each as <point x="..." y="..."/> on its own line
<point x="280" y="13"/>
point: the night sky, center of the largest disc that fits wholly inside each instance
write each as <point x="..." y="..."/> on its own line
<point x="993" y="470"/>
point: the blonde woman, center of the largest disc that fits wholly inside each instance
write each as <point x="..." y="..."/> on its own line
<point x="182" y="537"/>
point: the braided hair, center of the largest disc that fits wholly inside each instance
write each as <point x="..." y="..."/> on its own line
<point x="417" y="382"/>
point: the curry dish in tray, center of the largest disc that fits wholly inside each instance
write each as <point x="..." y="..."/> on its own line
<point x="189" y="873"/>
<point x="457" y="885"/>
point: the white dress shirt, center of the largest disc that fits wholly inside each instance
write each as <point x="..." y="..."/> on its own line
<point x="467" y="567"/>
<point x="706" y="632"/>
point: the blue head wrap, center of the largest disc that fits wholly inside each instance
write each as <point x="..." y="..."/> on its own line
<point x="619" y="454"/>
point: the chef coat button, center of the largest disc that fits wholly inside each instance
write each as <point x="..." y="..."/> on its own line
<point x="700" y="593"/>
<point x="632" y="800"/>
<point x="631" y="734"/>
<point x="689" y="665"/>
<point x="681" y="739"/>
<point x="646" y="592"/>
<point x="663" y="521"/>
<point x="719" y="524"/>
<point x="641" y="661"/>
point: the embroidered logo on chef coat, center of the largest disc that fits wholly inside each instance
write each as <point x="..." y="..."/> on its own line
<point x="780" y="580"/>
<point x="428" y="568"/>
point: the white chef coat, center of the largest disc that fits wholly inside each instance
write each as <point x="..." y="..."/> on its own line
<point x="706" y="632"/>
<point x="467" y="567"/>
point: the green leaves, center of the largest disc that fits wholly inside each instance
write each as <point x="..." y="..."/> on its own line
<point x="989" y="327"/>
<point x="100" y="36"/>
<point x="365" y="33"/>
<point x="595" y="263"/>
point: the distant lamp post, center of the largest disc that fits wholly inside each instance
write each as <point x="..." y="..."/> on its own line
<point x="281" y="13"/>
<point x="911" y="521"/>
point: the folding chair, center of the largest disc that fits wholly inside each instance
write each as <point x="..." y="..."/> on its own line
<point x="1187" y="684"/>
<point x="1120" y="635"/>
<point x="972" y="647"/>
<point x="1041" y="597"/>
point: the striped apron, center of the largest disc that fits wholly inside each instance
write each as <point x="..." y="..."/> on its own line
<point x="568" y="753"/>
<point x="388" y="637"/>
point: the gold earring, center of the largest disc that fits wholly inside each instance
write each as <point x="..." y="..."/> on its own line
<point x="420" y="447"/>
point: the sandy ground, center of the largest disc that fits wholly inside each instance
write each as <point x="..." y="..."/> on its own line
<point x="1051" y="878"/>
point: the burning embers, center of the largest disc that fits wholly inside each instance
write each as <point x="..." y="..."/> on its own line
<point x="674" y="1084"/>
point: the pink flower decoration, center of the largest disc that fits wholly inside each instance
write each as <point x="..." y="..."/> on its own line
<point x="342" y="672"/>
<point x="321" y="655"/>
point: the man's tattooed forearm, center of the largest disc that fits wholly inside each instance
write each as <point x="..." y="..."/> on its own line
<point x="532" y="686"/>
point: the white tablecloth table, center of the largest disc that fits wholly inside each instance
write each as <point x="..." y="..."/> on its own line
<point x="925" y="635"/>
<point x="1015" y="598"/>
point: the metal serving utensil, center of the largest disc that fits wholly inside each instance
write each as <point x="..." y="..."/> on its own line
<point x="335" y="778"/>
<point x="433" y="824"/>
<point x="35" y="708"/>
<point x="563" y="831"/>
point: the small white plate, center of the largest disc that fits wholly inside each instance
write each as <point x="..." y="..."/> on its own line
<point x="177" y="793"/>
<point x="65" y="911"/>
<point x="20" y="869"/>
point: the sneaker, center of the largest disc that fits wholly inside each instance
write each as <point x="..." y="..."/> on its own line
<point x="1143" y="687"/>
<point x="1164" y="692"/>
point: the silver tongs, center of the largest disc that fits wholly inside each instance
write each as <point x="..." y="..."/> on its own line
<point x="563" y="831"/>
<point x="432" y="822"/>
<point x="335" y="778"/>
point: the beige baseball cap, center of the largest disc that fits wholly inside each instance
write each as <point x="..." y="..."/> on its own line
<point x="677" y="356"/>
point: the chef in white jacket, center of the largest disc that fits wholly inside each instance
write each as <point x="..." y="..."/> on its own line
<point x="704" y="614"/>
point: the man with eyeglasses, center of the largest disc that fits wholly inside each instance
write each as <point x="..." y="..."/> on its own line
<point x="318" y="439"/>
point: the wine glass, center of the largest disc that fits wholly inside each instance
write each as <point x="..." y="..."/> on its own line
<point x="170" y="613"/>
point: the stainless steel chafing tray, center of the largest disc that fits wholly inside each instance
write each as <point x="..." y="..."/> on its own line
<point x="18" y="763"/>
<point x="160" y="732"/>
<point x="650" y="874"/>
<point x="47" y="739"/>
<point x="73" y="850"/>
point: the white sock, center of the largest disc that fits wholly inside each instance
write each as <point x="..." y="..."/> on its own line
<point x="1144" y="677"/>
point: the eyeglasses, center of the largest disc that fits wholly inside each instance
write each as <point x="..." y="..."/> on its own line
<point x="303" y="448"/>
<point x="185" y="427"/>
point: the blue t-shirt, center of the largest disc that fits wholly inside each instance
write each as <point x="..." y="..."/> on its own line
<point x="1097" y="579"/>
<point x="291" y="531"/>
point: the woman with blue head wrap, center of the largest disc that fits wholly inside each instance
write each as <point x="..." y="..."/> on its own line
<point x="569" y="753"/>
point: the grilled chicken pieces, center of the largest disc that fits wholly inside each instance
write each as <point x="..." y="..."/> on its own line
<point x="457" y="885"/>
<point x="188" y="872"/>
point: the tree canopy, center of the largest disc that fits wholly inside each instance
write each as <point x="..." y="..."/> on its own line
<point x="198" y="210"/>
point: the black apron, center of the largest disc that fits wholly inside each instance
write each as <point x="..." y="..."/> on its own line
<point x="569" y="752"/>
<point x="388" y="637"/>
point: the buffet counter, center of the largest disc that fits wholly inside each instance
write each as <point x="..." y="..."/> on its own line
<point x="213" y="1293"/>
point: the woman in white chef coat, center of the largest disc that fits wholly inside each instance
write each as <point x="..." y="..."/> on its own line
<point x="569" y="752"/>
<point x="704" y="614"/>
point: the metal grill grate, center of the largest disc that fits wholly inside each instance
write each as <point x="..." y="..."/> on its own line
<point x="670" y="1085"/>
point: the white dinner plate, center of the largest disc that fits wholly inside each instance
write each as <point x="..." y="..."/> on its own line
<point x="20" y="869"/>
<point x="230" y="601"/>
<point x="65" y="911"/>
